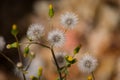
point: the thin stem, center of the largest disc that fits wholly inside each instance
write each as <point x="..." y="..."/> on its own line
<point x="12" y="63"/>
<point x="28" y="65"/>
<point x="20" y="58"/>
<point x="23" y="76"/>
<point x="44" y="45"/>
<point x="41" y="44"/>
<point x="50" y="24"/>
<point x="93" y="76"/>
<point x="58" y="68"/>
<point x="36" y="43"/>
<point x="8" y="59"/>
<point x="65" y="76"/>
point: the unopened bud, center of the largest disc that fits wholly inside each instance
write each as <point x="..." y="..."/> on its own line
<point x="19" y="65"/>
<point x="70" y="58"/>
<point x="89" y="77"/>
<point x="14" y="27"/>
<point x="50" y="6"/>
<point x="26" y="51"/>
<point x="32" y="54"/>
<point x="8" y="46"/>
<point x="40" y="71"/>
<point x="14" y="45"/>
<point x="14" y="30"/>
<point x="51" y="11"/>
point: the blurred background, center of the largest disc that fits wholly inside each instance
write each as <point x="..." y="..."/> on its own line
<point x="98" y="31"/>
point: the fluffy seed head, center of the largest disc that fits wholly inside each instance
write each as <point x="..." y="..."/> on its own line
<point x="69" y="20"/>
<point x="87" y="63"/>
<point x="60" y="56"/>
<point x="35" y="31"/>
<point x="56" y="38"/>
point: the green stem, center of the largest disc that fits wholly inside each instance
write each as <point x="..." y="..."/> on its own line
<point x="23" y="76"/>
<point x="36" y="43"/>
<point x="58" y="68"/>
<point x="12" y="63"/>
<point x="28" y="65"/>
<point x="8" y="59"/>
<point x="20" y="58"/>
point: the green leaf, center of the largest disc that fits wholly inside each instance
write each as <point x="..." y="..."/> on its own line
<point x="68" y="64"/>
<point x="74" y="61"/>
<point x="77" y="49"/>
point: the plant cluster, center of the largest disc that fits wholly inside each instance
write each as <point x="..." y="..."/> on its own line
<point x="55" y="38"/>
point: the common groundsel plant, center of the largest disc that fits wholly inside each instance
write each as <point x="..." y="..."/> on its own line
<point x="55" y="38"/>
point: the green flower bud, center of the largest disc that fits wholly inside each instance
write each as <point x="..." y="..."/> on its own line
<point x="14" y="45"/>
<point x="14" y="30"/>
<point x="26" y="51"/>
<point x="89" y="78"/>
<point x="70" y="60"/>
<point x="40" y="71"/>
<point x="51" y="11"/>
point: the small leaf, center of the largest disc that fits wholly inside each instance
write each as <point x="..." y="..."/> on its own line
<point x="74" y="61"/>
<point x="68" y="64"/>
<point x="76" y="50"/>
